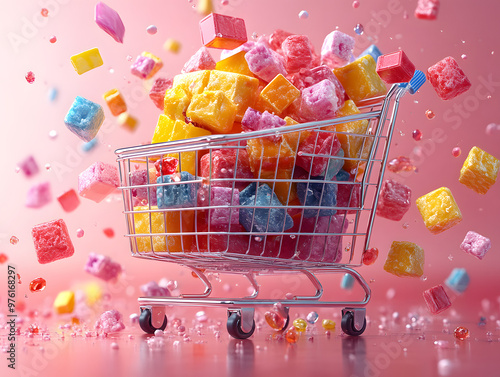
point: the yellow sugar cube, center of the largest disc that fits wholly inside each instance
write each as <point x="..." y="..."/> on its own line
<point x="240" y="89"/>
<point x="405" y="259"/>
<point x="192" y="82"/>
<point x="294" y="139"/>
<point x="266" y="156"/>
<point x="360" y="79"/>
<point x="205" y="7"/>
<point x="172" y="45"/>
<point x="439" y="210"/>
<point x="86" y="60"/>
<point x="64" y="302"/>
<point x="277" y="95"/>
<point x="170" y="222"/>
<point x="353" y="146"/>
<point x="128" y="121"/>
<point x="176" y="103"/>
<point x="93" y="292"/>
<point x="163" y="129"/>
<point x="235" y="63"/>
<point x="480" y="170"/>
<point x="115" y="102"/>
<point x="280" y="182"/>
<point x="158" y="63"/>
<point x="182" y="131"/>
<point x="212" y="110"/>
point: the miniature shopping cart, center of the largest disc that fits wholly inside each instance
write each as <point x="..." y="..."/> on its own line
<point x="330" y="239"/>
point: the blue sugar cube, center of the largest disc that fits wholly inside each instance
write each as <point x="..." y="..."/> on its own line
<point x="178" y="194"/>
<point x="318" y="194"/>
<point x="89" y="145"/>
<point x="347" y="282"/>
<point x="84" y="118"/>
<point x="262" y="219"/>
<point x="52" y="94"/>
<point x="458" y="280"/>
<point x="373" y="51"/>
<point x="334" y="165"/>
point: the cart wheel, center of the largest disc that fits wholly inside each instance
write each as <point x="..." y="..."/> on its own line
<point x="234" y="327"/>
<point x="347" y="325"/>
<point x="286" y="323"/>
<point x="145" y="322"/>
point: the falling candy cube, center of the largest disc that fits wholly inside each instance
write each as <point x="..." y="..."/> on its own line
<point x="479" y="171"/>
<point x="146" y="65"/>
<point x="177" y="190"/>
<point x="427" y="9"/>
<point x="458" y="280"/>
<point x="439" y="210"/>
<point x="109" y="21"/>
<point x="476" y="244"/>
<point x="234" y="63"/>
<point x="102" y="267"/>
<point x="395" y="68"/>
<point x="52" y="241"/>
<point x="86" y="60"/>
<point x="172" y="45"/>
<point x="394" y="200"/>
<point x="152" y="289"/>
<point x="157" y="92"/>
<point x="64" y="302"/>
<point x="127" y="121"/>
<point x="448" y="79"/>
<point x="337" y="49"/>
<point x="98" y="181"/>
<point x="220" y="31"/>
<point x="115" y="102"/>
<point x="405" y="259"/>
<point x="29" y="166"/>
<point x="84" y="118"/>
<point x="436" y="299"/>
<point x="38" y="195"/>
<point x="69" y="200"/>
<point x="347" y="281"/>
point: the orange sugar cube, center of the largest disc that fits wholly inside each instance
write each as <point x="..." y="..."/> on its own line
<point x="278" y="95"/>
<point x="405" y="259"/>
<point x="235" y="63"/>
<point x="115" y="102"/>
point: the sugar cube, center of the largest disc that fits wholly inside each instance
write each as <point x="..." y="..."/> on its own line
<point x="86" y="60"/>
<point x="102" y="266"/>
<point x="225" y="198"/>
<point x="278" y="95"/>
<point x="372" y="50"/>
<point x="227" y="166"/>
<point x="439" y="210"/>
<point x="152" y="289"/>
<point x="212" y="110"/>
<point x="69" y="200"/>
<point x="29" y="166"/>
<point x="98" y="181"/>
<point x="157" y="92"/>
<point x="458" y="280"/>
<point x="317" y="194"/>
<point x="38" y="195"/>
<point x="110" y="321"/>
<point x="52" y="241"/>
<point x="64" y="302"/>
<point x="479" y="171"/>
<point x="347" y="281"/>
<point x="298" y="53"/>
<point x="395" y="67"/>
<point x="394" y="200"/>
<point x="320" y="101"/>
<point x="199" y="61"/>
<point x="265" y="63"/>
<point x="220" y="31"/>
<point x="142" y="66"/>
<point x="405" y="259"/>
<point x="475" y="244"/>
<point x="127" y="121"/>
<point x="109" y="20"/>
<point x="427" y="9"/>
<point x="84" y="118"/>
<point x="448" y="79"/>
<point x="337" y="49"/>
<point x="436" y="299"/>
<point x="115" y="102"/>
<point x="317" y="143"/>
<point x="176" y="190"/>
<point x="146" y="178"/>
<point x="348" y="194"/>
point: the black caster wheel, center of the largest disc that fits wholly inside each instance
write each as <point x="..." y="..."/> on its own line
<point x="145" y="322"/>
<point x="286" y="323"/>
<point x="234" y="327"/>
<point x="347" y="325"/>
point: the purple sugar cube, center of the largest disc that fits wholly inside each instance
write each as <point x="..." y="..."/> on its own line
<point x="110" y="321"/>
<point x="38" y="195"/>
<point x="254" y="120"/>
<point x="227" y="197"/>
<point x="476" y="244"/>
<point x="320" y="101"/>
<point x="98" y="181"/>
<point x="337" y="49"/>
<point x="152" y="289"/>
<point x="178" y="191"/>
<point x="29" y="166"/>
<point x="201" y="60"/>
<point x="264" y="62"/>
<point x="394" y="200"/>
<point x="142" y="66"/>
<point x="140" y="178"/>
<point x="109" y="20"/>
<point x="102" y="267"/>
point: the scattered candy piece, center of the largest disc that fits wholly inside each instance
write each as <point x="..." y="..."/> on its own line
<point x="29" y="166"/>
<point x="177" y="195"/>
<point x="430" y="114"/>
<point x="152" y="29"/>
<point x="264" y="62"/>
<point x="98" y="181"/>
<point x="355" y="4"/>
<point x="64" y="302"/>
<point x="458" y="280"/>
<point x="328" y="324"/>
<point x="399" y="164"/>
<point x="275" y="320"/>
<point x="44" y="12"/>
<point x="38" y="195"/>
<point x="312" y="317"/>
<point x="127" y="121"/>
<point x="80" y="233"/>
<point x="152" y="289"/>
<point x="427" y="9"/>
<point x="298" y="53"/>
<point x="52" y="241"/>
<point x="300" y="324"/>
<point x="439" y="210"/>
<point x="358" y="29"/>
<point x="436" y="299"/>
<point x="475" y="244"/>
<point x="3" y="258"/>
<point x="115" y="102"/>
<point x="37" y="285"/>
<point x="30" y="77"/>
<point x="448" y="79"/>
<point x="110" y="321"/>
<point x="346" y="283"/>
<point x="417" y="135"/>
<point x="69" y="200"/>
<point x="292" y="336"/>
<point x="370" y="256"/>
<point x="479" y="171"/>
<point x="220" y="31"/>
<point x="303" y="15"/>
<point x="394" y="200"/>
<point x="86" y="60"/>
<point x="109" y="232"/>
<point x="102" y="267"/>
<point x="172" y="45"/>
<point x="53" y="39"/>
<point x="109" y="21"/>
<point x="457" y="151"/>
<point x="204" y="7"/>
<point x="14" y="240"/>
<point x="157" y="92"/>
<point x="84" y="118"/>
<point x="405" y="259"/>
<point x="492" y="129"/>
<point x="461" y="333"/>
<point x="146" y="65"/>
<point x="167" y="165"/>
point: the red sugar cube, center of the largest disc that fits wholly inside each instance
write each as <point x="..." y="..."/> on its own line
<point x="395" y="68"/>
<point x="157" y="92"/>
<point x="276" y="39"/>
<point x="394" y="200"/>
<point x="448" y="79"/>
<point x="219" y="31"/>
<point x="166" y="166"/>
<point x="436" y="299"/>
<point x="317" y="143"/>
<point x="52" y="241"/>
<point x="224" y="162"/>
<point x="427" y="9"/>
<point x="69" y="200"/>
<point x="297" y="50"/>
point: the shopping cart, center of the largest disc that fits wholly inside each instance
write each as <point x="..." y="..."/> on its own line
<point x="330" y="239"/>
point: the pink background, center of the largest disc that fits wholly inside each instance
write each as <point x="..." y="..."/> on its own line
<point x="28" y="116"/>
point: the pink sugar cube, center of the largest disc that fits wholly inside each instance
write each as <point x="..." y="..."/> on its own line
<point x="52" y="241"/>
<point x="109" y="21"/>
<point x="102" y="267"/>
<point x="254" y="120"/>
<point x="227" y="197"/>
<point x="427" y="9"/>
<point x="142" y="66"/>
<point x="98" y="181"/>
<point x="29" y="166"/>
<point x="221" y="164"/>
<point x="69" y="200"/>
<point x="476" y="244"/>
<point x="110" y="321"/>
<point x="201" y="60"/>
<point x="394" y="200"/>
<point x="157" y="92"/>
<point x="308" y="77"/>
<point x="320" y="101"/>
<point x="276" y="39"/>
<point x="436" y="299"/>
<point x="395" y="67"/>
<point x="264" y="62"/>
<point x="319" y="143"/>
<point x="297" y="50"/>
<point x="448" y="79"/>
<point x="220" y="31"/>
<point x="140" y="178"/>
<point x="152" y="289"/>
<point x="38" y="195"/>
<point x="337" y="49"/>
